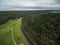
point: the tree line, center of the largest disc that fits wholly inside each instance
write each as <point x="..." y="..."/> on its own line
<point x="43" y="28"/>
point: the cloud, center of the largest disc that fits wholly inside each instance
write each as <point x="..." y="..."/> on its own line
<point x="57" y="1"/>
<point x="29" y="4"/>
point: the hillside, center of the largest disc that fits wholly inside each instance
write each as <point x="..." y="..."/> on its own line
<point x="43" y="28"/>
<point x="11" y="34"/>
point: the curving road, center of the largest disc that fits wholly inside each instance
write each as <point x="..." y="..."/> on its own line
<point x="25" y="34"/>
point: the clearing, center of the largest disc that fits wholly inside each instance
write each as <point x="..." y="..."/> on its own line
<point x="11" y="34"/>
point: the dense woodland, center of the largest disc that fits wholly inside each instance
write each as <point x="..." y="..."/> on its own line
<point x="43" y="28"/>
<point x="7" y="15"/>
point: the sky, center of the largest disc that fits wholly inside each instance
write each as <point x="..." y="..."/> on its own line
<point x="29" y="5"/>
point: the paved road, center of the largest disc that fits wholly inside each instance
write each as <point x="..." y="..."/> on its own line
<point x="27" y="37"/>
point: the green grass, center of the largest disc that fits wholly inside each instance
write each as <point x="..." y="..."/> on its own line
<point x="6" y="36"/>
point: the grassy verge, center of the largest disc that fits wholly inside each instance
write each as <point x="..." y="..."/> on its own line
<point x="5" y="33"/>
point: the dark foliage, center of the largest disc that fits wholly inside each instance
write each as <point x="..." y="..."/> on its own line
<point x="43" y="28"/>
<point x="7" y="15"/>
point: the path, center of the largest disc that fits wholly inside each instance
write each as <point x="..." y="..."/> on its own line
<point x="12" y="35"/>
<point x="21" y="44"/>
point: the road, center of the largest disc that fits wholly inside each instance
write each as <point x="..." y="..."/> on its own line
<point x="27" y="37"/>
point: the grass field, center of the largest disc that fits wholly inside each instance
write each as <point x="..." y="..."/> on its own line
<point x="6" y="33"/>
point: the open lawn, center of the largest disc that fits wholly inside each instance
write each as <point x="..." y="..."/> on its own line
<point x="10" y="33"/>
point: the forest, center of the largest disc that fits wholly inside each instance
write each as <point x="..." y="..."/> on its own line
<point x="7" y="15"/>
<point x="43" y="28"/>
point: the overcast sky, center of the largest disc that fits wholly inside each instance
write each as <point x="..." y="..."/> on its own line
<point x="29" y="4"/>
